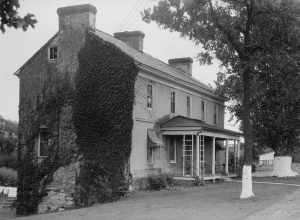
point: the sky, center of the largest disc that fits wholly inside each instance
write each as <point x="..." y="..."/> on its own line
<point x="112" y="16"/>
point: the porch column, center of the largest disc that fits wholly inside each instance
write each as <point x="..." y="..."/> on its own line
<point x="197" y="156"/>
<point x="238" y="149"/>
<point x="226" y="157"/>
<point x="213" y="158"/>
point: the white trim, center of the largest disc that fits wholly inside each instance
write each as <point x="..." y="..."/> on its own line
<point x="197" y="155"/>
<point x="195" y="131"/>
<point x="213" y="158"/>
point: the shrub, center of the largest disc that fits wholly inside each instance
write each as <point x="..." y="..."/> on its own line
<point x="9" y="160"/>
<point x="8" y="177"/>
<point x="161" y="181"/>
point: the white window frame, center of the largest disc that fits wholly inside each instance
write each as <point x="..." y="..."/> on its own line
<point x="175" y="151"/>
<point x="151" y="97"/>
<point x="49" y="53"/>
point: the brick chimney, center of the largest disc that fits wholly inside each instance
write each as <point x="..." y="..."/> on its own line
<point x="80" y="17"/>
<point x="185" y="64"/>
<point x="134" y="39"/>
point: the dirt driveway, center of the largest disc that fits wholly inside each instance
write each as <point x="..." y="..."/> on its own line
<point x="213" y="201"/>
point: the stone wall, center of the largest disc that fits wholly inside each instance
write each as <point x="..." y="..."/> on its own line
<point x="39" y="78"/>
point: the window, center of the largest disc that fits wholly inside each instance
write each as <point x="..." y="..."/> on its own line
<point x="172" y="102"/>
<point x="149" y="97"/>
<point x="42" y="145"/>
<point x="172" y="151"/>
<point x="52" y="54"/>
<point x="188" y="106"/>
<point x="215" y="114"/>
<point x="203" y="110"/>
<point x="150" y="155"/>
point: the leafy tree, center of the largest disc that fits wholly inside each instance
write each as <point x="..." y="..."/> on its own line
<point x="239" y="33"/>
<point x="234" y="32"/>
<point x="276" y="82"/>
<point x="9" y="16"/>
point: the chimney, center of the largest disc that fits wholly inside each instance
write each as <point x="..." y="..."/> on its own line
<point x="185" y="64"/>
<point x="80" y="17"/>
<point x="134" y="39"/>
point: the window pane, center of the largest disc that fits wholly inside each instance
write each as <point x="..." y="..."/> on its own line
<point x="172" y="102"/>
<point x="43" y="145"/>
<point x="172" y="150"/>
<point x="202" y="110"/>
<point x="149" y="96"/>
<point x="188" y="105"/>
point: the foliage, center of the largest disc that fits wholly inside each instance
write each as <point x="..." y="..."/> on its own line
<point x="276" y="80"/>
<point x="35" y="173"/>
<point x="8" y="177"/>
<point x="103" y="122"/>
<point x="161" y="181"/>
<point x="9" y="16"/>
<point x="240" y="34"/>
<point x="9" y="160"/>
<point x="8" y="135"/>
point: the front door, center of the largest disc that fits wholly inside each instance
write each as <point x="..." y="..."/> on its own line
<point x="187" y="155"/>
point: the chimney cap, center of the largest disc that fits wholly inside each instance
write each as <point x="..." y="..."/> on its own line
<point x="129" y="34"/>
<point x="76" y="9"/>
<point x="181" y="60"/>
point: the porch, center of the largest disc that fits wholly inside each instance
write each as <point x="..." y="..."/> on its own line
<point x="195" y="148"/>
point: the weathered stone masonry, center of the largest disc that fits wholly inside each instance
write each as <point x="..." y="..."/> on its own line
<point x="41" y="78"/>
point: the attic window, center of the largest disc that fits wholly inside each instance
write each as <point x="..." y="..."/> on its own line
<point x="52" y="54"/>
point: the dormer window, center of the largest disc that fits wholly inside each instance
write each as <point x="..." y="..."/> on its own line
<point x="52" y="53"/>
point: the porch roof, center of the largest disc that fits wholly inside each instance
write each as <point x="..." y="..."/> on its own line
<point x="183" y="125"/>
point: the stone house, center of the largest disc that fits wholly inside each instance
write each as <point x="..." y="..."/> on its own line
<point x="178" y="121"/>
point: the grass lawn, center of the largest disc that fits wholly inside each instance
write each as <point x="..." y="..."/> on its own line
<point x="212" y="201"/>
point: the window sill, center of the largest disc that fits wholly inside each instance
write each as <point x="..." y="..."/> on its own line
<point x="172" y="162"/>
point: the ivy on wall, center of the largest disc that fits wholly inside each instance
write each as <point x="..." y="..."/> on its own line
<point x="103" y="108"/>
<point x="45" y="109"/>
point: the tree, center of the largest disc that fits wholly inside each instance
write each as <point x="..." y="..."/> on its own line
<point x="9" y="16"/>
<point x="231" y="31"/>
<point x="277" y="82"/>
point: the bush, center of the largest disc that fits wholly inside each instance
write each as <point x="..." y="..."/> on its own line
<point x="161" y="181"/>
<point x="9" y="160"/>
<point x="8" y="177"/>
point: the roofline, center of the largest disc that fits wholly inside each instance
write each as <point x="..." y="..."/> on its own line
<point x="206" y="91"/>
<point x="17" y="73"/>
<point x="205" y="126"/>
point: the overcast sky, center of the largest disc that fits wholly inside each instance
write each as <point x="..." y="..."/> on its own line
<point x="112" y="16"/>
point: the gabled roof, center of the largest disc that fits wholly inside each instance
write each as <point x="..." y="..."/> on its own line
<point x="185" y="123"/>
<point x="144" y="60"/>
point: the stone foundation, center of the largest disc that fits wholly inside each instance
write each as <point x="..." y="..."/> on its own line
<point x="61" y="191"/>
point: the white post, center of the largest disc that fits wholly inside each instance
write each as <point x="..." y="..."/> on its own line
<point x="213" y="158"/>
<point x="197" y="156"/>
<point x="238" y="149"/>
<point x="226" y="157"/>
